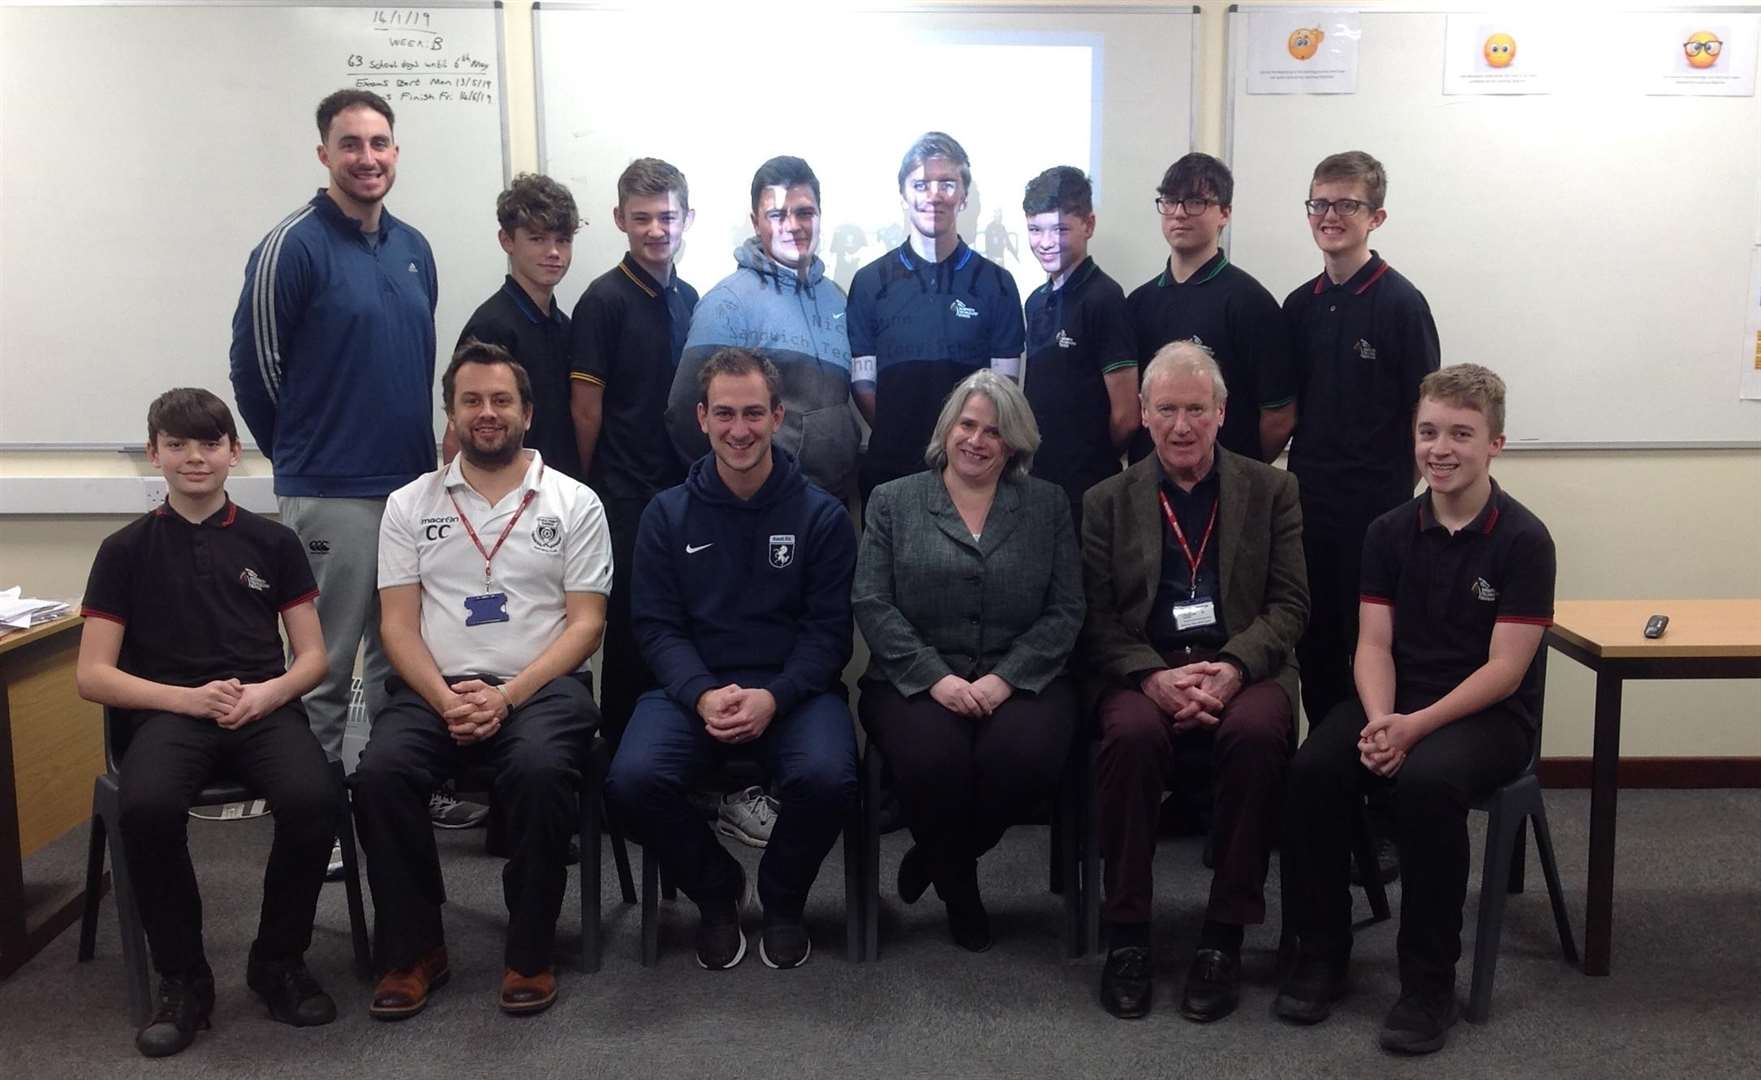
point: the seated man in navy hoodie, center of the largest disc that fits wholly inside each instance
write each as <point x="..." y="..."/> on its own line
<point x="741" y="604"/>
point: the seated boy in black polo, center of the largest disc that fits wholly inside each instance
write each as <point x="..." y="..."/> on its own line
<point x="1457" y="591"/>
<point x="181" y="633"/>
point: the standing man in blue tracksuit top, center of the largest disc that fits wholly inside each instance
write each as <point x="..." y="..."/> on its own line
<point x="333" y="369"/>
<point x="741" y="604"/>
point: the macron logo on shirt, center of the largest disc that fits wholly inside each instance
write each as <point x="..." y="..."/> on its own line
<point x="961" y="311"/>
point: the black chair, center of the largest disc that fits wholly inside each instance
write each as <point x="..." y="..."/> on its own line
<point x="746" y="770"/>
<point x="106" y="829"/>
<point x="1065" y="874"/>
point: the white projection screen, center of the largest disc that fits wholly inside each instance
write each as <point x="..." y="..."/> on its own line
<point x="1109" y="90"/>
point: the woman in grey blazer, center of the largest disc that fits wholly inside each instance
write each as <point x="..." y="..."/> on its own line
<point x="969" y="593"/>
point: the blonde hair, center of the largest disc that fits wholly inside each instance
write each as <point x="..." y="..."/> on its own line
<point x="1468" y="386"/>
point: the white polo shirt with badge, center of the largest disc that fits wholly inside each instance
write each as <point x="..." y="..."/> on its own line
<point x="552" y="540"/>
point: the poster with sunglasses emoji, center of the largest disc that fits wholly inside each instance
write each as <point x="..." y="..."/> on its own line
<point x="1711" y="54"/>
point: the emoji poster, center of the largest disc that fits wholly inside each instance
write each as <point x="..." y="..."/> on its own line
<point x="1710" y="53"/>
<point x="1302" y="51"/>
<point x="1491" y="54"/>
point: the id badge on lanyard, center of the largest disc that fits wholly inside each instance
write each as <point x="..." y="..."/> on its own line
<point x="491" y="605"/>
<point x="1198" y="610"/>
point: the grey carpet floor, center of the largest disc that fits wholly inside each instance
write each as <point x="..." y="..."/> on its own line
<point x="1684" y="998"/>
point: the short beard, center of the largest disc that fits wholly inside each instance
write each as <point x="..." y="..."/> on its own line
<point x="494" y="459"/>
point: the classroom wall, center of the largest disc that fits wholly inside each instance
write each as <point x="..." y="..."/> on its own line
<point x="1655" y="523"/>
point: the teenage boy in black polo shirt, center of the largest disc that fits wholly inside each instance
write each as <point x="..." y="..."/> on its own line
<point x="629" y="331"/>
<point x="1363" y="337"/>
<point x="1457" y="591"/>
<point x="538" y="225"/>
<point x="181" y="631"/>
<point x="1081" y="376"/>
<point x="926" y="314"/>
<point x="1200" y="296"/>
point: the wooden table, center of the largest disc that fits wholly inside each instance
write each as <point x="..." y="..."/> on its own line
<point x="51" y="749"/>
<point x="1706" y="639"/>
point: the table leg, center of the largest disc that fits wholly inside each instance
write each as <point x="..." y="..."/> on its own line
<point x="1604" y="788"/>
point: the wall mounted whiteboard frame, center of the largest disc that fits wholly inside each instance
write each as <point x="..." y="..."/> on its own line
<point x="1745" y="414"/>
<point x="228" y="278"/>
<point x="1126" y="221"/>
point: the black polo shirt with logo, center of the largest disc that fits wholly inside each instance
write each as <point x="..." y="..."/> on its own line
<point x="627" y="335"/>
<point x="1449" y="591"/>
<point x="1076" y="335"/>
<point x="540" y="342"/>
<point x="928" y="325"/>
<point x="1222" y="307"/>
<point x="1361" y="348"/>
<point x="200" y="602"/>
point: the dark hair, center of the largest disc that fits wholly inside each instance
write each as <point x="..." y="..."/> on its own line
<point x="786" y="172"/>
<point x="936" y="144"/>
<point x="1468" y="386"/>
<point x="350" y="99"/>
<point x="478" y="352"/>
<point x="1062" y="188"/>
<point x="1199" y="175"/>
<point x="1354" y="165"/>
<point x="537" y="203"/>
<point x="189" y="412"/>
<point x="652" y="176"/>
<point x="737" y="362"/>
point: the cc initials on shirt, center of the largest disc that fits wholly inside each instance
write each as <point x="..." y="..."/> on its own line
<point x="436" y="532"/>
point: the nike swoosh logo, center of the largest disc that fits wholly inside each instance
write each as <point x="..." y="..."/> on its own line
<point x="689" y="550"/>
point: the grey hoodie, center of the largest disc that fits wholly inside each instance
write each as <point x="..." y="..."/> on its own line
<point x="798" y="325"/>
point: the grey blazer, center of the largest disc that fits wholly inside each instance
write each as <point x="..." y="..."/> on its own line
<point x="931" y="601"/>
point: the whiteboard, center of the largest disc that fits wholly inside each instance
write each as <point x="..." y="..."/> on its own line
<point x="1592" y="246"/>
<point x="1107" y="89"/>
<point x="145" y="150"/>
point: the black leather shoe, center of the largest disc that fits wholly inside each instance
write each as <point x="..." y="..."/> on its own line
<point x="1213" y="986"/>
<point x="969" y="922"/>
<point x="1307" y="996"/>
<point x="1126" y="986"/>
<point x="913" y="875"/>
<point x="1419" y="1023"/>
<point x="293" y="996"/>
<point x="185" y="1003"/>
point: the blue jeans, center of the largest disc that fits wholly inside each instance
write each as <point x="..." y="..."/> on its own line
<point x="810" y="755"/>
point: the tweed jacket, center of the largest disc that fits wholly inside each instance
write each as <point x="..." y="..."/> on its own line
<point x="1265" y="593"/>
<point x="932" y="601"/>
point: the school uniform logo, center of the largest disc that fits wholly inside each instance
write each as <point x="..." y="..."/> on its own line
<point x="436" y="528"/>
<point x="249" y="579"/>
<point x="1365" y="350"/>
<point x="1484" y="590"/>
<point x="547" y="534"/>
<point x="1065" y="341"/>
<point x="782" y="550"/>
<point x="962" y="311"/>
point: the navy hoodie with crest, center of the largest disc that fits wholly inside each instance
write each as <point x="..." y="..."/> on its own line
<point x="756" y="587"/>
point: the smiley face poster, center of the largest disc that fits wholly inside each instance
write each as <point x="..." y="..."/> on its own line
<point x="1302" y="51"/>
<point x="1498" y="54"/>
<point x="1709" y="53"/>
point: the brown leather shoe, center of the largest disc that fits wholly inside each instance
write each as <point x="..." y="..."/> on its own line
<point x="525" y="994"/>
<point x="404" y="992"/>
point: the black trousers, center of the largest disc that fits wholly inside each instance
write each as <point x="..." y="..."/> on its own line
<point x="1431" y="795"/>
<point x="964" y="781"/>
<point x="623" y="676"/>
<point x="1335" y="568"/>
<point x="169" y="759"/>
<point x="538" y="757"/>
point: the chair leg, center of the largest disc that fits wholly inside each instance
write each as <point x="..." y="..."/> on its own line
<point x="351" y="877"/>
<point x="871" y="782"/>
<point x="1091" y="885"/>
<point x="1519" y="855"/>
<point x="1067" y="850"/>
<point x="1550" y="870"/>
<point x="650" y="908"/>
<point x="1364" y="852"/>
<point x="1501" y="828"/>
<point x="128" y="913"/>
<point x="855" y="895"/>
<point x="668" y="891"/>
<point x="1055" y="856"/>
<point x="88" y="923"/>
<point x="592" y="830"/>
<point x="620" y="852"/>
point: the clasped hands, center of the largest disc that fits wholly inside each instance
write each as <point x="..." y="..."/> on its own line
<point x="232" y="704"/>
<point x="473" y="711"/>
<point x="1384" y="742"/>
<point x="1194" y="695"/>
<point x="980" y="697"/>
<point x="736" y="714"/>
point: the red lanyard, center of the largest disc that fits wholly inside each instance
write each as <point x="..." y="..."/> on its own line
<point x="1192" y="560"/>
<point x="489" y="555"/>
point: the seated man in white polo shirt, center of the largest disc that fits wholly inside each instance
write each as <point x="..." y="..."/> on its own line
<point x="493" y="574"/>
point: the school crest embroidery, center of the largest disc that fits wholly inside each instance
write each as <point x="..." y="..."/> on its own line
<point x="250" y="580"/>
<point x="547" y="534"/>
<point x="782" y="550"/>
<point x="1483" y="589"/>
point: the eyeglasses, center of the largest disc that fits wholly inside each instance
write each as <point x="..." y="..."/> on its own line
<point x="1192" y="204"/>
<point x="1343" y="207"/>
<point x="1710" y="48"/>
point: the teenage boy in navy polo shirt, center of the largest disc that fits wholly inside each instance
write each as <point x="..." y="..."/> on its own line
<point x="1457" y="591"/>
<point x="181" y="632"/>
<point x="1201" y="296"/>
<point x="1081" y="376"/>
<point x="1363" y="338"/>
<point x="629" y="332"/>
<point x="926" y="314"/>
<point x="538" y="223"/>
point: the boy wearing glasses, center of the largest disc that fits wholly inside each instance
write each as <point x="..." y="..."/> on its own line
<point x="1363" y="338"/>
<point x="1200" y="296"/>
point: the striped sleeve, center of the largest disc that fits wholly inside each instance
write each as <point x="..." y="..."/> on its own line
<point x="273" y="299"/>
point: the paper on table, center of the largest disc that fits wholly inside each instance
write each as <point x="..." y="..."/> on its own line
<point x="18" y="612"/>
